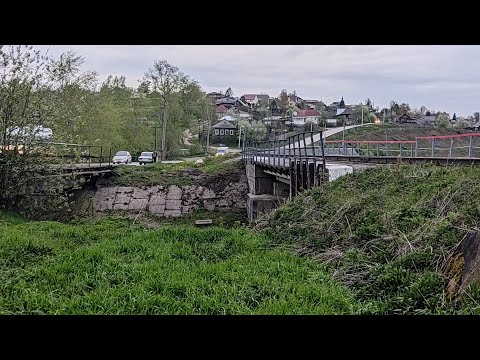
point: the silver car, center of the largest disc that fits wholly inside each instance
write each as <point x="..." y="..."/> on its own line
<point x="122" y="157"/>
<point x="145" y="157"/>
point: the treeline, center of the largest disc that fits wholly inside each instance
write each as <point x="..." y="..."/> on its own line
<point x="37" y="89"/>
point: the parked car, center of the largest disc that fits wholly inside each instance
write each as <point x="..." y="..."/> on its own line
<point x="222" y="151"/>
<point x="122" y="157"/>
<point x="145" y="157"/>
<point x="33" y="133"/>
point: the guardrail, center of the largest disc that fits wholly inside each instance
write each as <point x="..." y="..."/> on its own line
<point x="449" y="146"/>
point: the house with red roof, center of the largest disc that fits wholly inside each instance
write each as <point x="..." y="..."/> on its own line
<point x="250" y="99"/>
<point x="221" y="110"/>
<point x="300" y="118"/>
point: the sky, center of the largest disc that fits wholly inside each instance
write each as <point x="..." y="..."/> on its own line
<point x="441" y="77"/>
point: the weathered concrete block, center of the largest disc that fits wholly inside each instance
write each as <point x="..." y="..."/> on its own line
<point x="122" y="199"/>
<point x="173" y="205"/>
<point x="140" y="193"/>
<point x="120" y="206"/>
<point x="208" y="194"/>
<point x="137" y="204"/>
<point x="158" y="199"/>
<point x="125" y="189"/>
<point x="173" y="213"/>
<point x="157" y="209"/>
<point x="105" y="193"/>
<point x="156" y="189"/>
<point x="174" y="193"/>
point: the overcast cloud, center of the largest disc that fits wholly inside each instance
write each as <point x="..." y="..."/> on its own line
<point x="441" y="77"/>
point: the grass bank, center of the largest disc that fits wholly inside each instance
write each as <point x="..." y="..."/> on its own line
<point x="180" y="174"/>
<point x="385" y="233"/>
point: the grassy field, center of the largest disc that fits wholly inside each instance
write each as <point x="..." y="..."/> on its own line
<point x="385" y="233"/>
<point x="391" y="132"/>
<point x="172" y="174"/>
<point x="112" y="267"/>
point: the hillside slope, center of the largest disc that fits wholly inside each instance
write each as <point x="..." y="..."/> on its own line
<point x="387" y="233"/>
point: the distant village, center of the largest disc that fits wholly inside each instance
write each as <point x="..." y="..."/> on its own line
<point x="278" y="117"/>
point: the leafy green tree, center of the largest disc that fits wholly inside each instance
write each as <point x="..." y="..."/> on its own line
<point x="166" y="80"/>
<point x="254" y="131"/>
<point x="442" y="121"/>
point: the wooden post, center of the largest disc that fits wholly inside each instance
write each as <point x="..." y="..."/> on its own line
<point x="416" y="147"/>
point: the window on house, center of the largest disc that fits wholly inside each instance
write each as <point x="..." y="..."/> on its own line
<point x="216" y="131"/>
<point x="221" y="132"/>
<point x="231" y="132"/>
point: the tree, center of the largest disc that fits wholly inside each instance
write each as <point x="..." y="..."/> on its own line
<point x="166" y="80"/>
<point x="229" y="92"/>
<point x="442" y="120"/>
<point x="476" y="115"/>
<point x="283" y="100"/>
<point x="255" y="131"/>
<point x="32" y="86"/>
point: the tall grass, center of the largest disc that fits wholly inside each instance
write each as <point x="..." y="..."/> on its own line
<point x="112" y="267"/>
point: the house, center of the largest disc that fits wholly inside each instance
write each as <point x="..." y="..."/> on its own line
<point x="227" y="101"/>
<point x="250" y="99"/>
<point x="224" y="130"/>
<point x="229" y="118"/>
<point x="302" y="117"/>
<point x="215" y="95"/>
<point x="239" y="114"/>
<point x="406" y="119"/>
<point x="315" y="104"/>
<point x="294" y="100"/>
<point x="345" y="115"/>
<point x="221" y="110"/>
<point x="474" y="127"/>
<point x="427" y="120"/>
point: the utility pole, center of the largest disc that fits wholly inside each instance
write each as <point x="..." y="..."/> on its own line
<point x="164" y="129"/>
<point x="239" y="137"/>
<point x="362" y="115"/>
<point x="208" y="132"/>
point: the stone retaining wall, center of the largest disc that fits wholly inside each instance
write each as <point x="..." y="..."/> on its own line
<point x="171" y="200"/>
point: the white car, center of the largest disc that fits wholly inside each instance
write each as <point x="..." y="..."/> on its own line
<point x="145" y="157"/>
<point x="34" y="133"/>
<point x="122" y="157"/>
<point x="222" y="151"/>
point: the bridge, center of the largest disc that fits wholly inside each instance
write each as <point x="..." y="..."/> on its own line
<point x="278" y="170"/>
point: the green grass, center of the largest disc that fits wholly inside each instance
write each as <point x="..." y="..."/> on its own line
<point x="171" y="174"/>
<point x="386" y="232"/>
<point x="393" y="132"/>
<point x="112" y="267"/>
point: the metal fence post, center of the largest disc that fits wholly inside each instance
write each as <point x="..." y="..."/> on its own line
<point x="416" y="147"/>
<point x="433" y="147"/>
<point x="451" y="145"/>
<point x="470" y="147"/>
